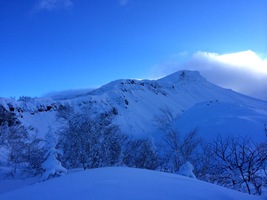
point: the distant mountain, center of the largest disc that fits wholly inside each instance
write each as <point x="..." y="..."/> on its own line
<point x="194" y="101"/>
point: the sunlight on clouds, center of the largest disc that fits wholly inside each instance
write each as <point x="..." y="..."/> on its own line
<point x="246" y="60"/>
<point x="244" y="72"/>
<point x="53" y="4"/>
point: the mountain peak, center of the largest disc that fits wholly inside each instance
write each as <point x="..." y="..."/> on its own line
<point x="184" y="75"/>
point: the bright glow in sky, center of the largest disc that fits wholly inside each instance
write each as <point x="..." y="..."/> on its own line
<point x="53" y="45"/>
<point x="244" y="72"/>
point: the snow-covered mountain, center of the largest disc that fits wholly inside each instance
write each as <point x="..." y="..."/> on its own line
<point x="135" y="106"/>
<point x="194" y="101"/>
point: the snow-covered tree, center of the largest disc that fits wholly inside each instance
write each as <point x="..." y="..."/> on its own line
<point x="90" y="141"/>
<point x="187" y="170"/>
<point x="52" y="166"/>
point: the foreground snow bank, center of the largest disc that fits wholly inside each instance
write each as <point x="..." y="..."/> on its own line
<point x="124" y="183"/>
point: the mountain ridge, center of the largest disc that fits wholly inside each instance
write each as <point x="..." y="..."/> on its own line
<point x="137" y="102"/>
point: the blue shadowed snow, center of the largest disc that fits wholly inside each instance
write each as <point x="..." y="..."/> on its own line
<point x="122" y="184"/>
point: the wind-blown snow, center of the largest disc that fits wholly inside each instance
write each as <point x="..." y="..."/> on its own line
<point x="124" y="183"/>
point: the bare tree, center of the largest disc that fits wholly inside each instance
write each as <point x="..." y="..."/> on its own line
<point x="265" y="130"/>
<point x="239" y="164"/>
<point x="90" y="141"/>
<point x="175" y="149"/>
<point x="202" y="160"/>
<point x="15" y="142"/>
<point x="4" y="134"/>
<point x="34" y="155"/>
<point x="141" y="153"/>
<point x="74" y="141"/>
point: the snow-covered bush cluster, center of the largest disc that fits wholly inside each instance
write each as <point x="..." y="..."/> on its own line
<point x="91" y="141"/>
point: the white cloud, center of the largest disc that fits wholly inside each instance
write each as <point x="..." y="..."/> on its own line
<point x="53" y="4"/>
<point x="244" y="72"/>
<point x="180" y="54"/>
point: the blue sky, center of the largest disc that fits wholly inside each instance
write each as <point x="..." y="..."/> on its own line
<point x="53" y="45"/>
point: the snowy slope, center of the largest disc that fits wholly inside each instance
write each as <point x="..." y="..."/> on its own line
<point x="139" y="101"/>
<point x="124" y="183"/>
<point x="36" y="114"/>
<point x="214" y="118"/>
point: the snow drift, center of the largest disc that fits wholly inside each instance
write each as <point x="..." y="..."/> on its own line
<point x="124" y="183"/>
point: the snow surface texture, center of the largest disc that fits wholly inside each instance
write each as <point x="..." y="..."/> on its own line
<point x="124" y="183"/>
<point x="212" y="118"/>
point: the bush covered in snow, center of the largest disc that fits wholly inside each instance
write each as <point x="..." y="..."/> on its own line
<point x="187" y="170"/>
